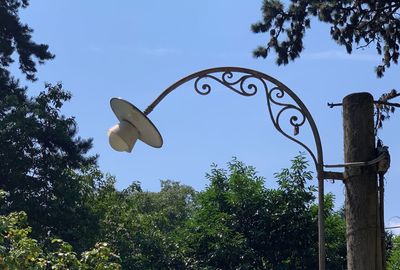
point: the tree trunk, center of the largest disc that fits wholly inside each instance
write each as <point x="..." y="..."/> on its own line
<point x="362" y="218"/>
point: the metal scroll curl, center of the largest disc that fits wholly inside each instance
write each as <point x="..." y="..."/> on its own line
<point x="243" y="85"/>
<point x="248" y="82"/>
<point x="297" y="116"/>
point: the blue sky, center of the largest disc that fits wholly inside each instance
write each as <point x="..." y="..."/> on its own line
<point x="136" y="49"/>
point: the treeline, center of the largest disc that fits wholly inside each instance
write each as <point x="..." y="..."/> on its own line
<point x="235" y="223"/>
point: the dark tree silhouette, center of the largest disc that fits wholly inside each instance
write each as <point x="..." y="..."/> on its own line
<point x="353" y="24"/>
<point x="358" y="23"/>
<point x="40" y="153"/>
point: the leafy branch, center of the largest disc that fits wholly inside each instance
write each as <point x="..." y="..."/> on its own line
<point x="384" y="108"/>
<point x="359" y="23"/>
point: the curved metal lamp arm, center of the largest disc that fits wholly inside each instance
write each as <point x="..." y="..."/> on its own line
<point x="246" y="82"/>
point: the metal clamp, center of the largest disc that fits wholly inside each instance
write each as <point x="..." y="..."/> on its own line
<point x="381" y="157"/>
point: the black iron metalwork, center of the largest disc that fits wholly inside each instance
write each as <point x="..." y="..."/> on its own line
<point x="227" y="79"/>
<point x="247" y="82"/>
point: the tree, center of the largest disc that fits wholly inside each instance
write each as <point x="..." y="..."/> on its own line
<point x="394" y="259"/>
<point x="228" y="219"/>
<point x="16" y="38"/>
<point x="239" y="224"/>
<point x="353" y="23"/>
<point x="358" y="24"/>
<point x="335" y="233"/>
<point x="142" y="225"/>
<point x="40" y="152"/>
<point x="19" y="251"/>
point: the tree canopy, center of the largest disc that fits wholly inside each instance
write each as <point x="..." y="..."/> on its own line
<point x="238" y="223"/>
<point x="394" y="256"/>
<point x="19" y="251"/>
<point x="353" y="24"/>
<point x="16" y="38"/>
<point x="40" y="151"/>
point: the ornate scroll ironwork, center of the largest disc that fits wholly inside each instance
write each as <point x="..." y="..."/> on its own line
<point x="247" y="82"/>
<point x="273" y="95"/>
<point x="227" y="79"/>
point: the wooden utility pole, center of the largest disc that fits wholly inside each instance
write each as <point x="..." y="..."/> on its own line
<point x="362" y="219"/>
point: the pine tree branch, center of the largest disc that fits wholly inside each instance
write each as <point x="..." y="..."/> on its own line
<point x="388" y="103"/>
<point x="390" y="96"/>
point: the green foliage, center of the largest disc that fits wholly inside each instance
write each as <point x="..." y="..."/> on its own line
<point x="239" y="224"/>
<point x="100" y="258"/>
<point x="226" y="212"/>
<point x="384" y="110"/>
<point x="236" y="223"/>
<point x="296" y="227"/>
<point x="19" y="251"/>
<point x="142" y="225"/>
<point x="394" y="259"/>
<point x="335" y="234"/>
<point x="40" y="152"/>
<point x="353" y="23"/>
<point x="15" y="37"/>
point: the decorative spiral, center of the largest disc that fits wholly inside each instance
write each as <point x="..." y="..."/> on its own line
<point x="274" y="95"/>
<point x="247" y="85"/>
<point x="247" y="82"/>
<point x="242" y="85"/>
<point x="280" y="94"/>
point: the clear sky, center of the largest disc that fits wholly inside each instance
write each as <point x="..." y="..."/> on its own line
<point x="135" y="49"/>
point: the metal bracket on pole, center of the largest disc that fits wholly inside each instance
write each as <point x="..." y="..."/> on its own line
<point x="333" y="175"/>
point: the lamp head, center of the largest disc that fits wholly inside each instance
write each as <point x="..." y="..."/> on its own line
<point x="133" y="125"/>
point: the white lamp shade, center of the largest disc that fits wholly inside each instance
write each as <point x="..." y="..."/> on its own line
<point x="133" y="125"/>
<point x="123" y="136"/>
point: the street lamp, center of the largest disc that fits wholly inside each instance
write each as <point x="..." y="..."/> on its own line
<point x="134" y="124"/>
